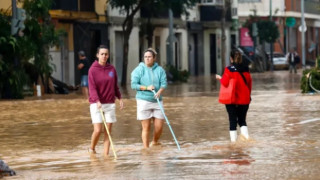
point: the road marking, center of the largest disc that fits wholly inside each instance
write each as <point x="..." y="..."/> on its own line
<point x="309" y="120"/>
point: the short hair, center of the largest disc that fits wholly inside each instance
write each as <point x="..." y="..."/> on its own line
<point x="81" y="53"/>
<point x="102" y="47"/>
<point x="153" y="52"/>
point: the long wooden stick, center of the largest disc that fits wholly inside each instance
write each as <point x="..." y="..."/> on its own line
<point x="110" y="139"/>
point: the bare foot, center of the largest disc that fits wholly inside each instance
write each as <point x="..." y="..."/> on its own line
<point x="154" y="144"/>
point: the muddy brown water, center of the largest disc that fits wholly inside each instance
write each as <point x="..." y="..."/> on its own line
<point x="47" y="137"/>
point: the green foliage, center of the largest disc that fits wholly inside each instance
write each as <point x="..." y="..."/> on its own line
<point x="267" y="30"/>
<point x="304" y="83"/>
<point x="175" y="75"/>
<point x="39" y="35"/>
<point x="318" y="62"/>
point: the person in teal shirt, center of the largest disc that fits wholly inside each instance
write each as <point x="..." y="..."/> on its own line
<point x="145" y="78"/>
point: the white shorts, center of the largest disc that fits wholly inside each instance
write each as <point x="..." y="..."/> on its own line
<point x="108" y="110"/>
<point x="147" y="110"/>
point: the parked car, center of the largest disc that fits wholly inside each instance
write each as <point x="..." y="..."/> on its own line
<point x="279" y="61"/>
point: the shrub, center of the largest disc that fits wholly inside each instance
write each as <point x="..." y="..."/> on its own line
<point x="314" y="74"/>
<point x="173" y="74"/>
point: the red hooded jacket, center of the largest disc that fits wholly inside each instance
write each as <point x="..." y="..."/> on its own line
<point x="242" y="90"/>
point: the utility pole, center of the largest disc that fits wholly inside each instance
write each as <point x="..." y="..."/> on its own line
<point x="14" y="23"/>
<point x="303" y="35"/>
<point x="14" y="16"/>
<point x="271" y="43"/>
<point x="170" y="39"/>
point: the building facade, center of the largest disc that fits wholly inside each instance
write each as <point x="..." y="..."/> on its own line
<point x="287" y="14"/>
<point x="198" y="38"/>
<point x="205" y="35"/>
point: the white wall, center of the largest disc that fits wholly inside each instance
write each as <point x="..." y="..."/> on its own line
<point x="163" y="33"/>
<point x="193" y="14"/>
<point x="133" y="56"/>
<point x="263" y="8"/>
<point x="57" y="70"/>
<point x="206" y="50"/>
<point x="184" y="49"/>
<point x="117" y="13"/>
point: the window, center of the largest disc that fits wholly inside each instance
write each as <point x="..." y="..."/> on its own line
<point x="246" y="1"/>
<point x="212" y="2"/>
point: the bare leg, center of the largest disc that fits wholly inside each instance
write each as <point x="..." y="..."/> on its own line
<point x="85" y="92"/>
<point x="158" y="126"/>
<point x="145" y="132"/>
<point x="95" y="135"/>
<point x="106" y="139"/>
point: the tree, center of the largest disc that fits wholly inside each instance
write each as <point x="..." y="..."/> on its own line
<point x="131" y="7"/>
<point x="267" y="30"/>
<point x="38" y="36"/>
<point x="226" y="6"/>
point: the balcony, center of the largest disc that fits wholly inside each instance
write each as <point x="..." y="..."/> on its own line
<point x="212" y="2"/>
<point x="74" y="5"/>
<point x="211" y="10"/>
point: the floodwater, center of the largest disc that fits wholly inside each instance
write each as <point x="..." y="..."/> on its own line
<point x="47" y="137"/>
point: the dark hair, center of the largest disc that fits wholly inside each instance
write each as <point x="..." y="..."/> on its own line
<point x="102" y="47"/>
<point x="236" y="56"/>
<point x="153" y="52"/>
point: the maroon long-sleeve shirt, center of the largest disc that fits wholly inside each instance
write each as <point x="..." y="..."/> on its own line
<point x="103" y="84"/>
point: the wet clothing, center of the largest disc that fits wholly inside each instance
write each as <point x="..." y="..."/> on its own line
<point x="237" y="110"/>
<point x="147" y="110"/>
<point x="84" y="81"/>
<point x="103" y="84"/>
<point x="109" y="111"/>
<point x="146" y="76"/>
<point x="242" y="88"/>
<point x="237" y="115"/>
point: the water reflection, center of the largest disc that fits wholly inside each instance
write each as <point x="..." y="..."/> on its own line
<point x="47" y="138"/>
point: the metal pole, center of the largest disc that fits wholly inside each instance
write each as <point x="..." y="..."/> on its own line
<point x="303" y="35"/>
<point x="271" y="44"/>
<point x="14" y="15"/>
<point x="170" y="47"/>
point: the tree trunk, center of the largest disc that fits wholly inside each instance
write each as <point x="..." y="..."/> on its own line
<point x="125" y="60"/>
<point x="223" y="34"/>
<point x="150" y="30"/>
<point x="127" y="26"/>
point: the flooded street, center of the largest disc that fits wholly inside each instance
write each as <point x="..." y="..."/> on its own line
<point x="48" y="137"/>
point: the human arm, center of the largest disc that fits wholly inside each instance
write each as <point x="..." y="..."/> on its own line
<point x="224" y="80"/>
<point x="93" y="89"/>
<point x="163" y="83"/>
<point x="121" y="104"/>
<point x="80" y="65"/>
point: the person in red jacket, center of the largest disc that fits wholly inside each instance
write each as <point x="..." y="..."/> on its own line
<point x="238" y="108"/>
<point x="103" y="91"/>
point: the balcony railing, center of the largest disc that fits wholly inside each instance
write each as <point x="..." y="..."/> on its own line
<point x="212" y="2"/>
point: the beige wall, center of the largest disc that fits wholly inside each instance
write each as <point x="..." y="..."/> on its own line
<point x="263" y="8"/>
<point x="6" y="5"/>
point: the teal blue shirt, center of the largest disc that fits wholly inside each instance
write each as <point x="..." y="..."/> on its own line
<point x="146" y="76"/>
